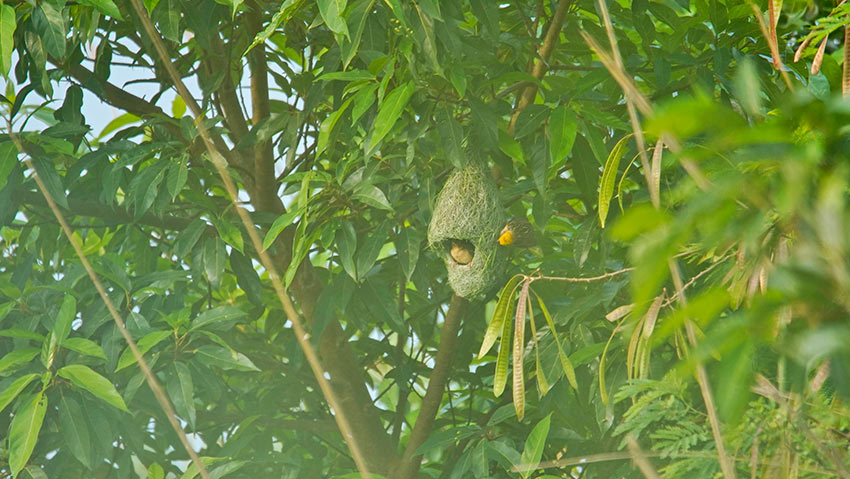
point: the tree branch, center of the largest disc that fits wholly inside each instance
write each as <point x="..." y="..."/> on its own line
<point x="264" y="176"/>
<point x="99" y="210"/>
<point x="109" y="93"/>
<point x="410" y="461"/>
<point x="540" y="66"/>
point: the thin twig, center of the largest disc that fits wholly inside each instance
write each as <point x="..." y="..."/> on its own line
<point x="580" y="280"/>
<point x="694" y="279"/>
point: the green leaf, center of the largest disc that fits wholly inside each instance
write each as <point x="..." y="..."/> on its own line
<point x="23" y="432"/>
<point x="17" y="357"/>
<point x="52" y="181"/>
<point x="155" y="471"/>
<point x="388" y="113"/>
<point x="533" y="451"/>
<point x="11" y="392"/>
<point x="440" y="440"/>
<point x="346" y="241"/>
<point x="214" y="258"/>
<point x="563" y="126"/>
<point x="451" y="137"/>
<point x="747" y="88"/>
<point x="75" y="429"/>
<point x="409" y="240"/>
<point x="84" y="346"/>
<point x="246" y="277"/>
<point x="168" y="18"/>
<point x="66" y="314"/>
<point x="300" y="248"/>
<point x="609" y="176"/>
<point x="356" y="23"/>
<point x="458" y="80"/>
<point x="331" y="11"/>
<point x="188" y="237"/>
<point x="106" y="7"/>
<point x="327" y="126"/>
<point x="529" y="119"/>
<point x="144" y="345"/>
<point x="182" y="392"/>
<point x="348" y="76"/>
<point x="500" y="376"/>
<point x="222" y="314"/>
<point x="49" y="23"/>
<point x="8" y="155"/>
<point x="145" y="187"/>
<point x="518" y="350"/>
<point x="371" y="248"/>
<point x="566" y="365"/>
<point x="511" y="147"/>
<point x="7" y="44"/>
<point x="118" y="122"/>
<point x="177" y="175"/>
<point x="432" y="8"/>
<point x="363" y="99"/>
<point x="280" y="224"/>
<point x="88" y="379"/>
<point x="733" y="392"/>
<point x="224" y="359"/>
<point x="20" y="333"/>
<point x="372" y="196"/>
<point x="500" y="315"/>
<point x="229" y="233"/>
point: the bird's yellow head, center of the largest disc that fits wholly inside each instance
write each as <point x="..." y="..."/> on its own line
<point x="506" y="238"/>
<point x="517" y="232"/>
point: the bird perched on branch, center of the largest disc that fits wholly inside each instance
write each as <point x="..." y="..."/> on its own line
<point x="518" y="232"/>
<point x="462" y="251"/>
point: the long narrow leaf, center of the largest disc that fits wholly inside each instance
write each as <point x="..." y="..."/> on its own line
<point x="542" y="383"/>
<point x="500" y="377"/>
<point x="499" y="316"/>
<point x="566" y="364"/>
<point x="609" y="175"/>
<point x="23" y="432"/>
<point x="519" y="346"/>
<point x="388" y="113"/>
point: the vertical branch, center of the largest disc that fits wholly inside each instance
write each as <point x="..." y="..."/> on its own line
<point x="264" y="174"/>
<point x="409" y="466"/>
<point x="526" y="97"/>
<point x="401" y="406"/>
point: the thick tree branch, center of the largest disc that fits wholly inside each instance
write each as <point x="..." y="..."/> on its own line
<point x="226" y="92"/>
<point x="408" y="468"/>
<point x="541" y="64"/>
<point x="99" y="210"/>
<point x="264" y="175"/>
<point x="109" y="93"/>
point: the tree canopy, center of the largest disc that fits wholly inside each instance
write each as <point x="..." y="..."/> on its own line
<point x="232" y="277"/>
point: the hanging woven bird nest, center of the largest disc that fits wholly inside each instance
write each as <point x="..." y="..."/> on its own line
<point x="466" y="223"/>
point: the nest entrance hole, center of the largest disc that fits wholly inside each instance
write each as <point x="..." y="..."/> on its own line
<point x="459" y="251"/>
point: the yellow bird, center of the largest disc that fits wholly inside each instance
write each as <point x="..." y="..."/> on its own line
<point x="518" y="232"/>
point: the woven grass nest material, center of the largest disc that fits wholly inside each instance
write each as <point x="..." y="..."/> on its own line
<point x="468" y="211"/>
